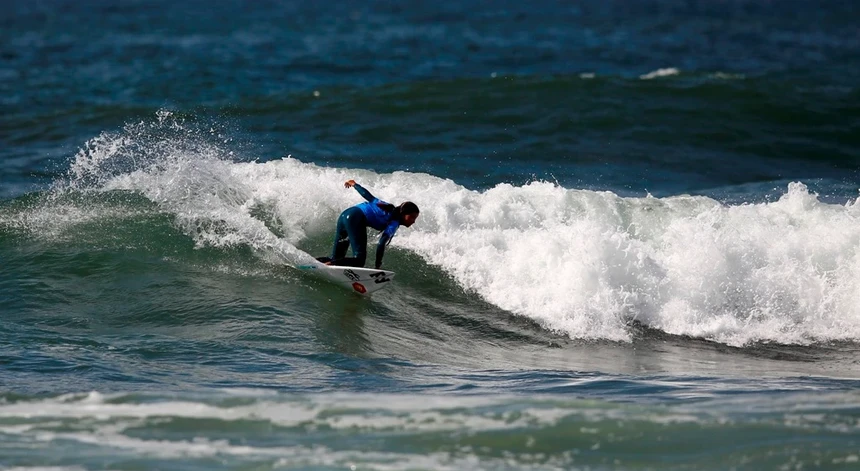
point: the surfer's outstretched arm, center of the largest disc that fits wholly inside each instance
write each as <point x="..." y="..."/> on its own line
<point x="360" y="189"/>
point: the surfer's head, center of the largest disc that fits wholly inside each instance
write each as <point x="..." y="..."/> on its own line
<point x="408" y="212"/>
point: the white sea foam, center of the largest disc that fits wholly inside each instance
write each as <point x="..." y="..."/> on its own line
<point x="335" y="411"/>
<point x="347" y="430"/>
<point x="727" y="76"/>
<point x="46" y="468"/>
<point x="667" y="72"/>
<point x="584" y="263"/>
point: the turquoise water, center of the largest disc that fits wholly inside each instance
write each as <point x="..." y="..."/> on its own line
<point x="638" y="247"/>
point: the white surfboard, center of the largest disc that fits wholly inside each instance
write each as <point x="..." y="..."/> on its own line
<point x="361" y="280"/>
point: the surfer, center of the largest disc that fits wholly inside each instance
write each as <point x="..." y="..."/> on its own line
<point x="353" y="222"/>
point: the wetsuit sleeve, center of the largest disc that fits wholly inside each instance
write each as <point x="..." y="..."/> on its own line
<point x="364" y="193"/>
<point x="384" y="240"/>
<point x="380" y="249"/>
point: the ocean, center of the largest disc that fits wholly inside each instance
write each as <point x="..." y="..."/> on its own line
<point x="638" y="249"/>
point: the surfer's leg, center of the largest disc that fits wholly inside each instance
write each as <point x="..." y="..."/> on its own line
<point x="357" y="229"/>
<point x="341" y="238"/>
<point x="351" y="230"/>
<point x="353" y="223"/>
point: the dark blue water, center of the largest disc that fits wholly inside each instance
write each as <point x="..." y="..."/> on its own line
<point x="638" y="246"/>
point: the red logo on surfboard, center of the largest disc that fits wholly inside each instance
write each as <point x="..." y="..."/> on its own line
<point x="359" y="287"/>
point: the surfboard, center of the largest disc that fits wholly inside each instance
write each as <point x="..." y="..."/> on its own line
<point x="361" y="280"/>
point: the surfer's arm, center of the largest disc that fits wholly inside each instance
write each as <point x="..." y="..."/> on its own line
<point x="360" y="189"/>
<point x="364" y="193"/>
<point x="384" y="240"/>
<point x="380" y="249"/>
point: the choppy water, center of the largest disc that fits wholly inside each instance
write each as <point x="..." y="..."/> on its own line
<point x="638" y="248"/>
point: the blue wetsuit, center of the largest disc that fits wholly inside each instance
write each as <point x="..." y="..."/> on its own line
<point x="352" y="230"/>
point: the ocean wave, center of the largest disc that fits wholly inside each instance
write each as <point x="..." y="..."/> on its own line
<point x="585" y="264"/>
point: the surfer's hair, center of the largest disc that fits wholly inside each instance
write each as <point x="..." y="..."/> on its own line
<point x="408" y="208"/>
<point x="397" y="211"/>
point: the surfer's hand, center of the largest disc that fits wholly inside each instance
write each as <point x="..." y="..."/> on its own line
<point x="349" y="184"/>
